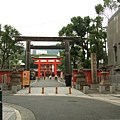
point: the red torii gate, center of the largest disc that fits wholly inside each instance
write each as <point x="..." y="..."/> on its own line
<point x="55" y="63"/>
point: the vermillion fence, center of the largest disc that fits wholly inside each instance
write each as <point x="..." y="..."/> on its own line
<point x="4" y="80"/>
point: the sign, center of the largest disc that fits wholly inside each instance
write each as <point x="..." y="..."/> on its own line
<point x="26" y="78"/>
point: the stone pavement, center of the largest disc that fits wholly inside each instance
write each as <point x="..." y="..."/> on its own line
<point x="61" y="91"/>
<point x="9" y="113"/>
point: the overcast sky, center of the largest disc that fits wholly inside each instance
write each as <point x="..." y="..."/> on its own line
<point x="43" y="17"/>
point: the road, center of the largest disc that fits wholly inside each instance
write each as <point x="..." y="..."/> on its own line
<point x="47" y="83"/>
<point x="64" y="107"/>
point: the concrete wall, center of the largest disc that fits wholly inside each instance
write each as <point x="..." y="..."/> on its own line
<point x="113" y="37"/>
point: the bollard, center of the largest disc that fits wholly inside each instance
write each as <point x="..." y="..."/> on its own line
<point x="14" y="89"/>
<point x="78" y="86"/>
<point x="0" y="110"/>
<point x="29" y="90"/>
<point x="18" y="87"/>
<point x="102" y="89"/>
<point x="1" y="87"/>
<point x="42" y="90"/>
<point x="112" y="89"/>
<point x="1" y="95"/>
<point x="56" y="90"/>
<point x="0" y="104"/>
<point x="69" y="90"/>
<point x="85" y="89"/>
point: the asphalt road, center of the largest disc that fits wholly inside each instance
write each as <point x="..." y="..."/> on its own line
<point x="48" y="83"/>
<point x="66" y="108"/>
<point x="62" y="107"/>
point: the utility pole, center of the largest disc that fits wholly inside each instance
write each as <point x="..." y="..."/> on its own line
<point x="0" y="46"/>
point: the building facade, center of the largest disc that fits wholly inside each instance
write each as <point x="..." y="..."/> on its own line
<point x="113" y="37"/>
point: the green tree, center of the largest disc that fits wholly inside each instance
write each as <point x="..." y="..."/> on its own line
<point x="108" y="8"/>
<point x="93" y="39"/>
<point x="87" y="22"/>
<point x="75" y="28"/>
<point x="9" y="47"/>
<point x="98" y="36"/>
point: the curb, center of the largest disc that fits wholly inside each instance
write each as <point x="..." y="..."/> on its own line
<point x="10" y="113"/>
<point x="21" y="112"/>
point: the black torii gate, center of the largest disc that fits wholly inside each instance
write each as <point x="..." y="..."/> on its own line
<point x="28" y="40"/>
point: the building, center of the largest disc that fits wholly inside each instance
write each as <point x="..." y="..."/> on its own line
<point x="47" y="65"/>
<point x="113" y="37"/>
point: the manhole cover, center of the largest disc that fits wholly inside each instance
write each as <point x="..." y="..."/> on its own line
<point x="72" y="101"/>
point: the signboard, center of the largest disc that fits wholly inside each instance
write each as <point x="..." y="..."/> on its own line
<point x="26" y="78"/>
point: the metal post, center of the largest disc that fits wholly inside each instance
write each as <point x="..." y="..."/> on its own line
<point x="1" y="95"/>
<point x="69" y="90"/>
<point x="67" y="61"/>
<point x="56" y="90"/>
<point x="29" y="90"/>
<point x="0" y="104"/>
<point x="42" y="90"/>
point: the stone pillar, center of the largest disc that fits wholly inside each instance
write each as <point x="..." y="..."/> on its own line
<point x="102" y="89"/>
<point x="2" y="79"/>
<point x="18" y="87"/>
<point x="77" y="86"/>
<point x="112" y="89"/>
<point x="67" y="64"/>
<point x="5" y="79"/>
<point x="94" y="68"/>
<point x="14" y="89"/>
<point x="85" y="89"/>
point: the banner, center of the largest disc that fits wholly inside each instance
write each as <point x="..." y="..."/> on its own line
<point x="26" y="78"/>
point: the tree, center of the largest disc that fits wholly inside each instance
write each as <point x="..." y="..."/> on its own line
<point x="98" y="36"/>
<point x="75" y="28"/>
<point x="8" y="46"/>
<point x="87" y="22"/>
<point x="108" y="8"/>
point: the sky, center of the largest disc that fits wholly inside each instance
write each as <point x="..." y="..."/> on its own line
<point x="43" y="17"/>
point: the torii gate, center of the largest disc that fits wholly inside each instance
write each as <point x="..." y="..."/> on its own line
<point x="66" y="40"/>
<point x="39" y="63"/>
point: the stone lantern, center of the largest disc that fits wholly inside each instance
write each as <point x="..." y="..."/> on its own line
<point x="117" y="69"/>
<point x="80" y="78"/>
<point x="104" y="80"/>
<point x="15" y="78"/>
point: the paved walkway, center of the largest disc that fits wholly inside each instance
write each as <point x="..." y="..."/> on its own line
<point x="9" y="113"/>
<point x="13" y="114"/>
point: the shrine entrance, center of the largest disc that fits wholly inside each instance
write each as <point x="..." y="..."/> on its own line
<point x="45" y="66"/>
<point x="65" y="40"/>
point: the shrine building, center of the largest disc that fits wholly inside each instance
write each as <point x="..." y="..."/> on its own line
<point x="47" y="66"/>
